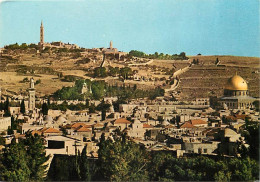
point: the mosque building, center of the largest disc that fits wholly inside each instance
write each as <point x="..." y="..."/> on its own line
<point x="236" y="94"/>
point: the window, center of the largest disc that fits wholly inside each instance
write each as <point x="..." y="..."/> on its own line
<point x="199" y="150"/>
<point x="205" y="150"/>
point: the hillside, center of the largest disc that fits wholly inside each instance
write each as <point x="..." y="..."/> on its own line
<point x="56" y="69"/>
<point x="207" y="79"/>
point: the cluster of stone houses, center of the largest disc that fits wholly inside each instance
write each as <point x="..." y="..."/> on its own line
<point x="161" y="124"/>
<point x="158" y="125"/>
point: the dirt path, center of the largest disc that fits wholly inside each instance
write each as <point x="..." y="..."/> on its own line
<point x="175" y="76"/>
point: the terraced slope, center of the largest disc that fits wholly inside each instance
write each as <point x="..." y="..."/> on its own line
<point x="207" y="79"/>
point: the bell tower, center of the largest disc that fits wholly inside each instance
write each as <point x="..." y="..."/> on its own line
<point x="111" y="45"/>
<point x="41" y="34"/>
<point x="84" y="88"/>
<point x="31" y="101"/>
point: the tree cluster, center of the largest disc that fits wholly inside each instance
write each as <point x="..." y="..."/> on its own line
<point x="251" y="133"/>
<point x="256" y="104"/>
<point x="165" y="167"/>
<point x="100" y="72"/>
<point x="195" y="61"/>
<point x="23" y="46"/>
<point x="24" y="161"/>
<point x="70" y="168"/>
<point x="103" y="107"/>
<point x="70" y="78"/>
<point x="5" y="106"/>
<point x="156" y="55"/>
<point x="124" y="72"/>
<point x="120" y="159"/>
<point x="100" y="89"/>
<point x="15" y="125"/>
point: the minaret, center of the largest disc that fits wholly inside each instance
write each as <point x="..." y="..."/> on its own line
<point x="42" y="34"/>
<point x="111" y="45"/>
<point x="31" y="102"/>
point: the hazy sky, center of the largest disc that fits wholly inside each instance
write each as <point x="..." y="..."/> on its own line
<point x="209" y="27"/>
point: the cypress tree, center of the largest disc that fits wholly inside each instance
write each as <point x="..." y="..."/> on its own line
<point x="22" y="107"/>
<point x="103" y="114"/>
<point x="2" y="106"/>
<point x="36" y="156"/>
<point x="87" y="102"/>
<point x="6" y="108"/>
<point x="84" y="166"/>
<point x="45" y="109"/>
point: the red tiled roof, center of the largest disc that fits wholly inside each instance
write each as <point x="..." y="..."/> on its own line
<point x="147" y="126"/>
<point x="241" y="116"/>
<point x="193" y="123"/>
<point x="49" y="130"/>
<point x="98" y="125"/>
<point x="85" y="126"/>
<point x="76" y="125"/>
<point x="198" y="121"/>
<point x="83" y="129"/>
<point x="187" y="124"/>
<point x="122" y="121"/>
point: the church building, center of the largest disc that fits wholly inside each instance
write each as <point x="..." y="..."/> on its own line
<point x="113" y="52"/>
<point x="42" y="45"/>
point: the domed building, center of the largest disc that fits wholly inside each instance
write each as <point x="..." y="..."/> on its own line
<point x="236" y="95"/>
<point x="61" y="120"/>
<point x="47" y="120"/>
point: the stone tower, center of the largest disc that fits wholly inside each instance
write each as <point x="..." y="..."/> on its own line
<point x="41" y="34"/>
<point x="31" y="102"/>
<point x="90" y="89"/>
<point x="84" y="88"/>
<point x="111" y="45"/>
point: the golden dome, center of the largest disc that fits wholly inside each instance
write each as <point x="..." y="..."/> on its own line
<point x="236" y="83"/>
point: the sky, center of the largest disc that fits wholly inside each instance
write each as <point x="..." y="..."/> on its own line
<point x="208" y="27"/>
